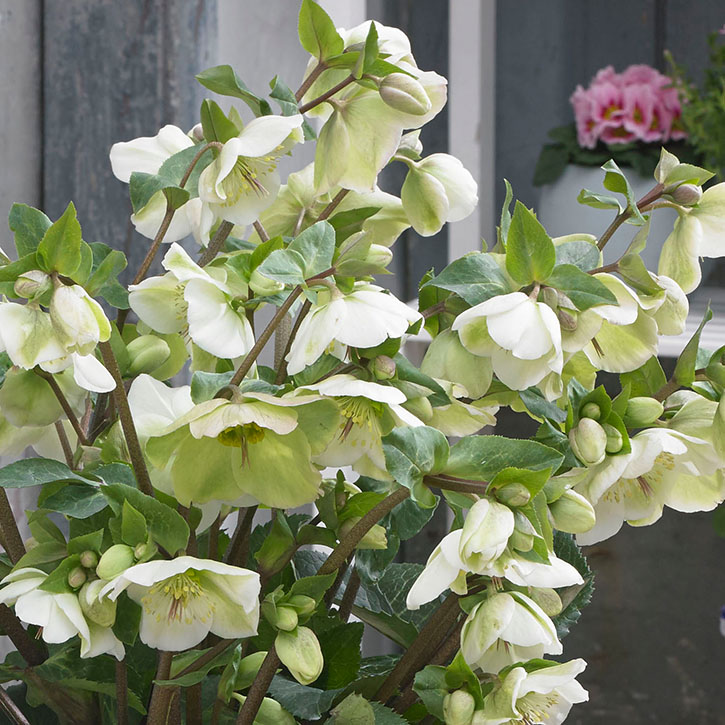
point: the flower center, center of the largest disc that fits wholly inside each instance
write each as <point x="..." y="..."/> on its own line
<point x="535" y="707"/>
<point x="360" y="412"/>
<point x="244" y="176"/>
<point x="180" y="597"/>
<point x="240" y="436"/>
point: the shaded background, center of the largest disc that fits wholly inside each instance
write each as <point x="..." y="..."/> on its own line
<point x="78" y="75"/>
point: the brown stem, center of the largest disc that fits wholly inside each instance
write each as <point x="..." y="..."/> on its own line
<point x="129" y="429"/>
<point x="434" y="309"/>
<point x="216" y="711"/>
<point x="11" y="709"/>
<point x="193" y="705"/>
<point x="340" y="553"/>
<point x="213" y="547"/>
<point x="259" y="688"/>
<point x="450" y="483"/>
<point x="191" y="547"/>
<point x="67" y="409"/>
<point x="239" y="546"/>
<point x="64" y="443"/>
<point x="348" y="598"/>
<point x="32" y="651"/>
<point x="282" y="371"/>
<point x="216" y="244"/>
<point x="648" y="198"/>
<point x="332" y="591"/>
<point x="613" y="267"/>
<point x="154" y="248"/>
<point x="333" y="204"/>
<point x="428" y="638"/>
<point x="281" y="339"/>
<point x="207" y="657"/>
<point x="666" y="390"/>
<point x="122" y="692"/>
<point x="9" y="528"/>
<point x="159" y="707"/>
<point x="327" y="94"/>
<point x="261" y="231"/>
<point x="307" y="82"/>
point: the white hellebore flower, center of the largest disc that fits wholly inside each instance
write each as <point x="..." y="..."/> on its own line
<point x="664" y="468"/>
<point x="506" y="628"/>
<point x="146" y="155"/>
<point x="243" y="180"/>
<point x="698" y="232"/>
<point x="437" y="189"/>
<point x="186" y="598"/>
<point x="540" y="697"/>
<point x="522" y="337"/>
<point x="59" y="615"/>
<point x="364" y="318"/>
<point x="189" y="299"/>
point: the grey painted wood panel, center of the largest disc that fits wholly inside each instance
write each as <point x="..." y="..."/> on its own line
<point x="114" y="71"/>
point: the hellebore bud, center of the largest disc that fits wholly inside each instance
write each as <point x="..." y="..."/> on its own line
<point x="264" y="286"/>
<point x="404" y="93"/>
<point x="549" y="296"/>
<point x="146" y="353"/>
<point x="300" y="653"/>
<point x="642" y="411"/>
<point x="302" y="604"/>
<point x="687" y="194"/>
<point x="89" y="559"/>
<point x="458" y="708"/>
<point x="547" y="599"/>
<point x="588" y="441"/>
<point x="383" y="367"/>
<point x="270" y="711"/>
<point x="197" y="132"/>
<point x="28" y="400"/>
<point x="379" y="256"/>
<point x="614" y="439"/>
<point x="376" y="538"/>
<point x="285" y="618"/>
<point x="591" y="410"/>
<point x="32" y="284"/>
<point x="567" y="320"/>
<point x="101" y="611"/>
<point x="76" y="577"/>
<point x="420" y="408"/>
<point x="572" y="513"/>
<point x="514" y="494"/>
<point x="115" y="561"/>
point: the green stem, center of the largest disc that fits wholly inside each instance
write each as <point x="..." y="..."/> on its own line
<point x="259" y="688"/>
<point x="342" y="551"/>
<point x="348" y="597"/>
<point x="333" y="204"/>
<point x="327" y="94"/>
<point x="652" y="195"/>
<point x="64" y="443"/>
<point x="239" y="545"/>
<point x="282" y="370"/>
<point x="216" y="244"/>
<point x="666" y="390"/>
<point x="129" y="429"/>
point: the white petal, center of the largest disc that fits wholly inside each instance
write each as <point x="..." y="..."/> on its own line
<point x="90" y="374"/>
<point x="264" y="134"/>
<point x="147" y="221"/>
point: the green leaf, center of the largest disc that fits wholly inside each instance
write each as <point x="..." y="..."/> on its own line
<point x="60" y="248"/>
<point x="315" y="245"/>
<point x="284" y="265"/>
<point x="481" y="457"/>
<point x="645" y="380"/>
<point x="687" y="362"/>
<point x="42" y="553"/>
<point x="576" y="597"/>
<point x="10" y="272"/>
<point x="223" y="80"/>
<point x="502" y="230"/>
<point x="581" y="288"/>
<point x="215" y="123"/>
<point x="580" y="253"/>
<point x="307" y="703"/>
<point x="284" y="96"/>
<point x="57" y="581"/>
<point x="616" y="181"/>
<point x="598" y="200"/>
<point x="29" y="225"/>
<point x="340" y="647"/>
<point x="411" y="454"/>
<point x="475" y="278"/>
<point x="533" y="481"/>
<point x="181" y="661"/>
<point x="204" y="386"/>
<point x="36" y="472"/>
<point x="408" y="373"/>
<point x="551" y="164"/>
<point x="688" y="174"/>
<point x="317" y="32"/>
<point x="128" y="618"/>
<point x="539" y="406"/>
<point x="166" y="525"/>
<point x="530" y="253"/>
<point x="79" y="502"/>
<point x="92" y="541"/>
<point x="107" y="264"/>
<point x="431" y="686"/>
<point x="633" y="270"/>
<point x="133" y="525"/>
<point x="385" y="716"/>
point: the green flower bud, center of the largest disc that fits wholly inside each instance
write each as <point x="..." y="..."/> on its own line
<point x="420" y="408"/>
<point x="549" y="296"/>
<point x="614" y="439"/>
<point x="591" y="410"/>
<point x="302" y="604"/>
<point x="513" y="494"/>
<point x="521" y="541"/>
<point x="547" y="599"/>
<point x="379" y="256"/>
<point x="642" y="411"/>
<point x="115" y="561"/>
<point x="383" y="367"/>
<point x="404" y="93"/>
<point x="264" y="286"/>
<point x="567" y="320"/>
<point x="300" y="653"/>
<point x="572" y="513"/>
<point x="270" y="711"/>
<point x="588" y="441"/>
<point x="89" y="559"/>
<point x="32" y="284"/>
<point x="146" y="353"/>
<point x="458" y="708"/>
<point x="76" y="577"/>
<point x="376" y="538"/>
<point x="285" y="618"/>
<point x="687" y="194"/>
<point x="28" y="400"/>
<point x="101" y="611"/>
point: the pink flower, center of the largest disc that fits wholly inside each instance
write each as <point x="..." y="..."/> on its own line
<point x="586" y="125"/>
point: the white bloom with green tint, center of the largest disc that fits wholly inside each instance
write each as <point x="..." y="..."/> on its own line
<point x="522" y="337"/>
<point x="185" y="598"/>
<point x="365" y="317"/>
<point x="78" y="320"/>
<point x="191" y="300"/>
<point x="543" y="696"/>
<point x="243" y="180"/>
